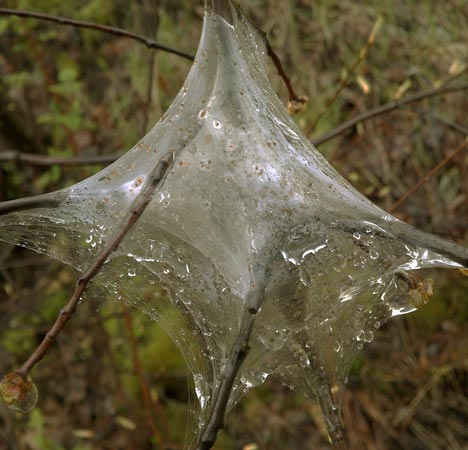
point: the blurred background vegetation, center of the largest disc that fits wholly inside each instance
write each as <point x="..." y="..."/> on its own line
<point x="114" y="380"/>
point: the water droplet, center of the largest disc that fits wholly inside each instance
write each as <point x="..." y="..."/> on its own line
<point x="277" y="340"/>
<point x="368" y="336"/>
<point x="132" y="272"/>
<point x="337" y="346"/>
<point x="356" y="235"/>
<point x="304" y="361"/>
<point x="373" y="254"/>
<point x="217" y="124"/>
<point x="202" y="114"/>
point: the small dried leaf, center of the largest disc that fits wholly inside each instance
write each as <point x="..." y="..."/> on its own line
<point x="363" y="84"/>
<point x="126" y="423"/>
<point x="402" y="89"/>
<point x="457" y="67"/>
<point x="251" y="447"/>
<point x="83" y="434"/>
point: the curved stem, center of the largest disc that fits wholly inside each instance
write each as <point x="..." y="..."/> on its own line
<point x="387" y="107"/>
<point x="98" y="27"/>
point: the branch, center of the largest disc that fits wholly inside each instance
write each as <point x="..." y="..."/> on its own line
<point x="387" y="107"/>
<point x="140" y="203"/>
<point x="296" y="102"/>
<point x="98" y="27"/>
<point x="429" y="175"/>
<point x="237" y="356"/>
<point x="44" y="160"/>
<point x="449" y="123"/>
<point x="239" y="351"/>
<point x="50" y="200"/>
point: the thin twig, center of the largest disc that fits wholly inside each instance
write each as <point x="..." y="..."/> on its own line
<point x="296" y="102"/>
<point x="98" y="27"/>
<point x="429" y="175"/>
<point x="42" y="160"/>
<point x="236" y="357"/>
<point x="45" y="160"/>
<point x="385" y="108"/>
<point x="138" y="207"/>
<point x="344" y="81"/>
<point x="138" y="371"/>
<point x="50" y="200"/>
<point x="449" y="123"/>
<point x="149" y="94"/>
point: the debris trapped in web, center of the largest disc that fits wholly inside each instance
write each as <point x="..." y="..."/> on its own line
<point x="249" y="206"/>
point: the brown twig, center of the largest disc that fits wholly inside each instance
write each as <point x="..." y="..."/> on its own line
<point x="98" y="27"/>
<point x="220" y="398"/>
<point x="42" y="160"/>
<point x="429" y="175"/>
<point x="344" y="81"/>
<point x="383" y="109"/>
<point x="149" y="95"/>
<point x="50" y="200"/>
<point x="45" y="160"/>
<point x="138" y="371"/>
<point x="449" y="123"/>
<point x="239" y="351"/>
<point x="138" y="207"/>
<point x="296" y="102"/>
